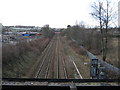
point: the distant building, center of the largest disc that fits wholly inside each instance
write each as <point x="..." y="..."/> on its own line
<point x="24" y="28"/>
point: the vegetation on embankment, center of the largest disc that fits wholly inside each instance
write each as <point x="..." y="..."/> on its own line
<point x="111" y="58"/>
<point x="91" y="40"/>
<point x="88" y="38"/>
<point x="18" y="59"/>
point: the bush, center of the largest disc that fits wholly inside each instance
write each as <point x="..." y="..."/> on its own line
<point x="17" y="59"/>
<point x="89" y="38"/>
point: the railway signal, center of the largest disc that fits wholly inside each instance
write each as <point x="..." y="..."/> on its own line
<point x="94" y="69"/>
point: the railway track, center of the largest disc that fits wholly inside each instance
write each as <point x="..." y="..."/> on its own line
<point x="44" y="60"/>
<point x="62" y="66"/>
<point x="54" y="64"/>
<point x="57" y="51"/>
<point x="63" y="61"/>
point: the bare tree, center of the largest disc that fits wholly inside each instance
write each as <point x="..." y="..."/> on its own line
<point x="47" y="31"/>
<point x="104" y="14"/>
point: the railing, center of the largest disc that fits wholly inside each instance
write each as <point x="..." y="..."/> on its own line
<point x="57" y="80"/>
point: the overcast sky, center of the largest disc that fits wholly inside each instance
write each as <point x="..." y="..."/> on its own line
<point x="56" y="13"/>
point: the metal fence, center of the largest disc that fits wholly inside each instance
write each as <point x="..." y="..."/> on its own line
<point x="103" y="63"/>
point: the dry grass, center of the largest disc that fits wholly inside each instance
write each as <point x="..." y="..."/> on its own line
<point x="112" y="54"/>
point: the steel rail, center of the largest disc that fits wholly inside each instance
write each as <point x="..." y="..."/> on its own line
<point x="63" y="62"/>
<point x="43" y="57"/>
<point x="50" y="63"/>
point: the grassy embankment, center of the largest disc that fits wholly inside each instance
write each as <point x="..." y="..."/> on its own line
<point x="18" y="60"/>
